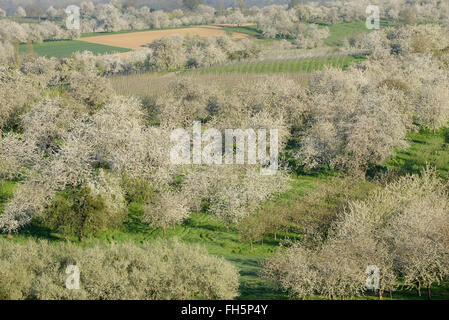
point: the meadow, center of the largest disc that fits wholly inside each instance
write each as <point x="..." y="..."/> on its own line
<point x="66" y="48"/>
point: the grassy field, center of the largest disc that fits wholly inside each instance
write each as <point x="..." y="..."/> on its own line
<point x="65" y="48"/>
<point x="282" y="66"/>
<point x="150" y="84"/>
<point x="248" y="30"/>
<point x="337" y="32"/>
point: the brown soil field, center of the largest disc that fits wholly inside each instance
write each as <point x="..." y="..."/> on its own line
<point x="136" y="40"/>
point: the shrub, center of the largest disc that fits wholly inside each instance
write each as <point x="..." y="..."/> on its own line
<point x="165" y="270"/>
<point x="6" y="52"/>
<point x="86" y="210"/>
<point x="76" y="212"/>
<point x="433" y="107"/>
<point x="168" y="53"/>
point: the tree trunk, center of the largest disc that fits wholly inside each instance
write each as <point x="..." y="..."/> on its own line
<point x="275" y="236"/>
<point x="429" y="292"/>
<point x="391" y="295"/>
<point x="251" y="245"/>
<point x="419" y="289"/>
<point x="164" y="232"/>
<point x="380" y="294"/>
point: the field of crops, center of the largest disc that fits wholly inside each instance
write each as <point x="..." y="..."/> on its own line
<point x="65" y="48"/>
<point x="299" y="65"/>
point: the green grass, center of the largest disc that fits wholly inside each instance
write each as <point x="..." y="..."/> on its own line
<point x="66" y="48"/>
<point x="281" y="66"/>
<point x="425" y="148"/>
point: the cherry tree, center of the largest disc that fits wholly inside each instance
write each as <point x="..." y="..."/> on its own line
<point x="167" y="209"/>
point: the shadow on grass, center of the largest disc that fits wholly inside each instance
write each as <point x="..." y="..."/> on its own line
<point x="133" y="222"/>
<point x="37" y="231"/>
